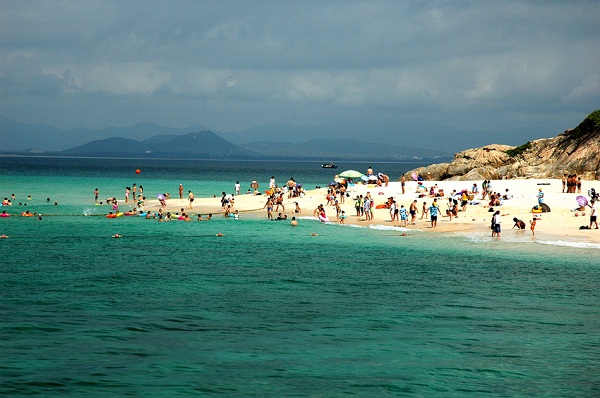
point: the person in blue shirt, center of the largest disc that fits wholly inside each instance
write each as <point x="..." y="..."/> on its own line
<point x="433" y="213"/>
<point x="403" y="217"/>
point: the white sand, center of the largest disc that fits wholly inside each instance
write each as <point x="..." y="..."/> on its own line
<point x="559" y="223"/>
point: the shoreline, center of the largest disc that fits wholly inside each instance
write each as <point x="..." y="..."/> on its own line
<point x="558" y="224"/>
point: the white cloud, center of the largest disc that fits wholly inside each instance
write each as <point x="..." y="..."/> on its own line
<point x="125" y="79"/>
<point x="326" y="61"/>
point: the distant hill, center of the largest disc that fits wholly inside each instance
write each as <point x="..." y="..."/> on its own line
<point x="324" y="142"/>
<point x="17" y="136"/>
<point x="203" y="144"/>
<point x="336" y="149"/>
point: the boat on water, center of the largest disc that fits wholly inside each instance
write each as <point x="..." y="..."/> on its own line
<point x="329" y="166"/>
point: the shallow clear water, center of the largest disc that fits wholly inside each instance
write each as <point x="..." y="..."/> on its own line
<point x="268" y="310"/>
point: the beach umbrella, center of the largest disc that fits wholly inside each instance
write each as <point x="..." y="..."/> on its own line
<point x="581" y="200"/>
<point x="351" y="174"/>
<point x="160" y="196"/>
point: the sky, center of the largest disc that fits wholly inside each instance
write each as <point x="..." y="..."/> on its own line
<point x="526" y="69"/>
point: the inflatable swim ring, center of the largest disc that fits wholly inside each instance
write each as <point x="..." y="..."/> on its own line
<point x="4" y="215"/>
<point x="323" y="218"/>
<point x="111" y="216"/>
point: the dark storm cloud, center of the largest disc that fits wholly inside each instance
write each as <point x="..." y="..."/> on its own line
<point x="235" y="64"/>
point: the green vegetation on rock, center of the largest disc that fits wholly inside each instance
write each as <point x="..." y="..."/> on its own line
<point x="518" y="150"/>
<point x="590" y="124"/>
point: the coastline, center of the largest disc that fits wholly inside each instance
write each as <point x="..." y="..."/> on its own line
<point x="558" y="224"/>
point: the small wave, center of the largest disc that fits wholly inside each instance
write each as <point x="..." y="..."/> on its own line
<point x="580" y="245"/>
<point x="391" y="228"/>
<point x="525" y="239"/>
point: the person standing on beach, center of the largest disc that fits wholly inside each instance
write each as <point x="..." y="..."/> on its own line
<point x="190" y="200"/>
<point x="413" y="212"/>
<point x="403" y="183"/>
<point x="134" y="191"/>
<point x="180" y="191"/>
<point x="540" y="197"/>
<point x="433" y="213"/>
<point x="367" y="208"/>
<point x="269" y="207"/>
<point x="424" y="211"/>
<point x="127" y="190"/>
<point x="593" y="215"/>
<point x="496" y="224"/>
<point x="96" y="193"/>
<point x="237" y="188"/>
<point x="532" y="225"/>
<point x="357" y="205"/>
<point x="403" y="217"/>
<point x="291" y="186"/>
<point x="564" y="182"/>
<point x="394" y="211"/>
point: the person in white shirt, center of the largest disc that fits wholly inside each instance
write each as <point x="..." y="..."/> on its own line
<point x="593" y="215"/>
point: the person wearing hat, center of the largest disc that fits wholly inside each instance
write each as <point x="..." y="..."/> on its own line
<point x="540" y="198"/>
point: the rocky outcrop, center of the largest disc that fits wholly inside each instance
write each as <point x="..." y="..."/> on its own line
<point x="574" y="151"/>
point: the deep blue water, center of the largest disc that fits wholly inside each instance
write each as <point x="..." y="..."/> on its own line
<point x="268" y="310"/>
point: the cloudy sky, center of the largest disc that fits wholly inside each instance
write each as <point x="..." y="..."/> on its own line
<point x="526" y="66"/>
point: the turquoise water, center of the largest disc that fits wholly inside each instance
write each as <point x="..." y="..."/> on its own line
<point x="269" y="310"/>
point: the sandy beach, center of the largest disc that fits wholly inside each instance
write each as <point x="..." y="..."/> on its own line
<point x="560" y="223"/>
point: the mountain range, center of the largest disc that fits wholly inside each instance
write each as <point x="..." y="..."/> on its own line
<point x="152" y="140"/>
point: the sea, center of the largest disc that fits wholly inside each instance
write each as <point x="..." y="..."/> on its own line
<point x="270" y="310"/>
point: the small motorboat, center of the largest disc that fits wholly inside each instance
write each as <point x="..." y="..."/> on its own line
<point x="329" y="166"/>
